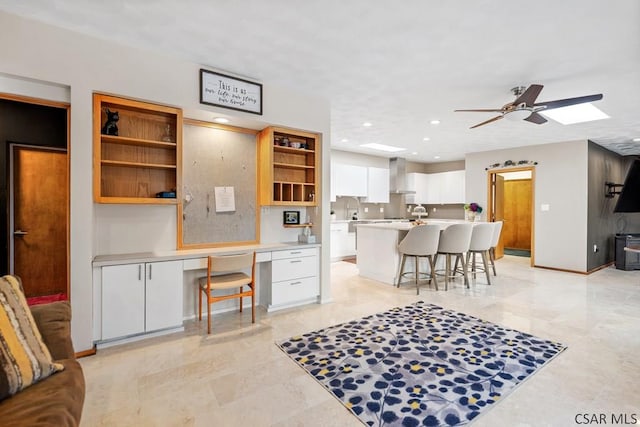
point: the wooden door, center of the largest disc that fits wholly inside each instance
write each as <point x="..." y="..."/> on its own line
<point x="517" y="227"/>
<point x="498" y="210"/>
<point x="40" y="203"/>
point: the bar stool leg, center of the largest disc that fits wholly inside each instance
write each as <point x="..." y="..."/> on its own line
<point x="447" y="268"/>
<point x="492" y="256"/>
<point x="464" y="270"/>
<point x="486" y="266"/>
<point x="417" y="262"/>
<point x="432" y="265"/>
<point x="401" y="270"/>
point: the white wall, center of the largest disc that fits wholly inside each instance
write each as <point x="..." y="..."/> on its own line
<point x="560" y="182"/>
<point x="358" y="159"/>
<point x="84" y="64"/>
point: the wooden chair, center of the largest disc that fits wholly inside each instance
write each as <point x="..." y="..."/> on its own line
<point x="224" y="272"/>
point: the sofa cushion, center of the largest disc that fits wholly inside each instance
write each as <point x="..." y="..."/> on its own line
<point x="24" y="358"/>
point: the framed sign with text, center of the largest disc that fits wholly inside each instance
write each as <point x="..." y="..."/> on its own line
<point x="230" y="92"/>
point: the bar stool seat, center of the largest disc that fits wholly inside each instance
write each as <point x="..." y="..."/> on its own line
<point x="455" y="240"/>
<point x="421" y="241"/>
<point x="481" y="238"/>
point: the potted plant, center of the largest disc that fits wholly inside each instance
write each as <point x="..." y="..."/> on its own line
<point x="473" y="211"/>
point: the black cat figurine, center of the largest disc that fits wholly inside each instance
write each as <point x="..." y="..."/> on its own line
<point x="110" y="127"/>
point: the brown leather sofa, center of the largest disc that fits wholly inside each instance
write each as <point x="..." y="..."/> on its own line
<point x="58" y="399"/>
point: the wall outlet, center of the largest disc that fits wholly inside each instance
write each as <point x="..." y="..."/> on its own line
<point x="381" y="210"/>
<point x="366" y="210"/>
<point x="595" y="248"/>
<point x="434" y="208"/>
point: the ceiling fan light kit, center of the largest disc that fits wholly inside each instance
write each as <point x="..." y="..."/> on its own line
<point x="525" y="107"/>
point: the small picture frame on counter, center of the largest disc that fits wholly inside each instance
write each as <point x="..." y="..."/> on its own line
<point x="291" y="217"/>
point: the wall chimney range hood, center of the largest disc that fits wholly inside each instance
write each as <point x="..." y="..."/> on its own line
<point x="398" y="176"/>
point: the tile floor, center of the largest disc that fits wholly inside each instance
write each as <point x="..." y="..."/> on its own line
<point x="238" y="377"/>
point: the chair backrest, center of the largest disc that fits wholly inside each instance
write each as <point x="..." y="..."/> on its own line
<point x="497" y="228"/>
<point x="455" y="238"/>
<point x="421" y="240"/>
<point x="481" y="236"/>
<point x="231" y="263"/>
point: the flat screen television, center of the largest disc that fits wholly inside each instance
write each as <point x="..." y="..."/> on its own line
<point x="629" y="199"/>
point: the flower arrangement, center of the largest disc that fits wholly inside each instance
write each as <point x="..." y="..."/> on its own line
<point x="473" y="207"/>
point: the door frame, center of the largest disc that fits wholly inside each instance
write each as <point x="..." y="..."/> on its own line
<point x="47" y="103"/>
<point x="490" y="197"/>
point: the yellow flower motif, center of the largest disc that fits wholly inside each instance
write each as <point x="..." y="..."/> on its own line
<point x="324" y="361"/>
<point x="509" y="353"/>
<point x="472" y="359"/>
<point x="304" y="360"/>
<point x="381" y="328"/>
<point x="323" y="372"/>
<point x="318" y="340"/>
<point x="461" y="350"/>
<point x="416" y="367"/>
<point x="484" y="352"/>
<point x="415" y="405"/>
<point x="440" y="371"/>
<point x="417" y="389"/>
<point x="472" y="400"/>
<point x="437" y="338"/>
<point x="349" y="405"/>
<point x="347" y="369"/>
<point x="359" y="352"/>
<point x="358" y="340"/>
<point x="296" y="338"/>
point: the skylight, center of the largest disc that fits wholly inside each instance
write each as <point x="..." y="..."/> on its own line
<point x="575" y="114"/>
<point x="382" y="147"/>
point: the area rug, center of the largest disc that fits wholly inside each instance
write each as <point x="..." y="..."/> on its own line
<point x="419" y="365"/>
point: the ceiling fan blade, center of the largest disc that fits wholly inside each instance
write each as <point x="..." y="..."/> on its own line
<point x="529" y="96"/>
<point x="559" y="103"/>
<point x="536" y="118"/>
<point x="488" y="110"/>
<point x="487" y="121"/>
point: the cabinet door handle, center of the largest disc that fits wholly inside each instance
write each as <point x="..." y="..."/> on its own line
<point x="139" y="271"/>
<point x="295" y="283"/>
<point x="295" y="260"/>
<point x="150" y="270"/>
<point x="295" y="252"/>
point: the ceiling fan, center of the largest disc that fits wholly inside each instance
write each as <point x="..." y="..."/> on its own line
<point x="527" y="108"/>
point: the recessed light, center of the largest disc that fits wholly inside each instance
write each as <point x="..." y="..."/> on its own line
<point x="221" y="120"/>
<point x="367" y="124"/>
<point x="414" y="153"/>
<point x="426" y="138"/>
<point x="435" y="122"/>
<point x="382" y="147"/>
<point x="436" y="157"/>
<point x="575" y="114"/>
<point x="636" y="139"/>
<point x="344" y="140"/>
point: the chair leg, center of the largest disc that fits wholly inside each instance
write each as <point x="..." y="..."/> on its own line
<point x="432" y="265"/>
<point x="417" y="274"/>
<point x="464" y="270"/>
<point x="468" y="256"/>
<point x="447" y="268"/>
<point x="401" y="271"/>
<point x="208" y="315"/>
<point x="199" y="303"/>
<point x="486" y="265"/>
<point x="240" y="298"/>
<point x="455" y="268"/>
<point x="492" y="257"/>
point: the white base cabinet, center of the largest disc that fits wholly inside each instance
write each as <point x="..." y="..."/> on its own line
<point x="294" y="278"/>
<point x="140" y="298"/>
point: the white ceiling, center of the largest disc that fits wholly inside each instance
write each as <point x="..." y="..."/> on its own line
<point x="399" y="64"/>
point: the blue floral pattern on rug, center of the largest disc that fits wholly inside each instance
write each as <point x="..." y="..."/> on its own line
<point x="421" y="365"/>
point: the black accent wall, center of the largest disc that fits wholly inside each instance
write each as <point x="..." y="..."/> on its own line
<point x="602" y="222"/>
<point x="27" y="124"/>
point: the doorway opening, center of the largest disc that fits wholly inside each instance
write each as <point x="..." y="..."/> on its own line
<point x="34" y="195"/>
<point x="511" y="200"/>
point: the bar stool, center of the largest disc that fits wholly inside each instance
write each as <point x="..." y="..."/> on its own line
<point x="481" y="238"/>
<point x="455" y="240"/>
<point x="497" y="229"/>
<point x="420" y="241"/>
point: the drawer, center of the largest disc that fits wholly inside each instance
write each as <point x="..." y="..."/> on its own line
<point x="341" y="227"/>
<point x="294" y="253"/>
<point x="294" y="290"/>
<point x="293" y="268"/>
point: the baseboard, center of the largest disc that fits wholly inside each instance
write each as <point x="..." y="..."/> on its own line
<point x="576" y="271"/>
<point x="86" y="353"/>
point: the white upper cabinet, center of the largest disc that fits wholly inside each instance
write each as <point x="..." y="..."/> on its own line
<point x="436" y="188"/>
<point x="377" y="185"/>
<point x="349" y="180"/>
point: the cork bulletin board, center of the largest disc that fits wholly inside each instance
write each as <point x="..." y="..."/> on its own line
<point x="219" y="179"/>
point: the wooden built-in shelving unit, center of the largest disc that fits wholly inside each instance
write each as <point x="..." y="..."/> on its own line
<point x="144" y="159"/>
<point x="289" y="175"/>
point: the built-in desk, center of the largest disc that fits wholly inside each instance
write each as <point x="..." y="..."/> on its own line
<point x="150" y="293"/>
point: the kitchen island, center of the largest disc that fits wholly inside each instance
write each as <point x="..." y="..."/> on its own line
<point x="377" y="249"/>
